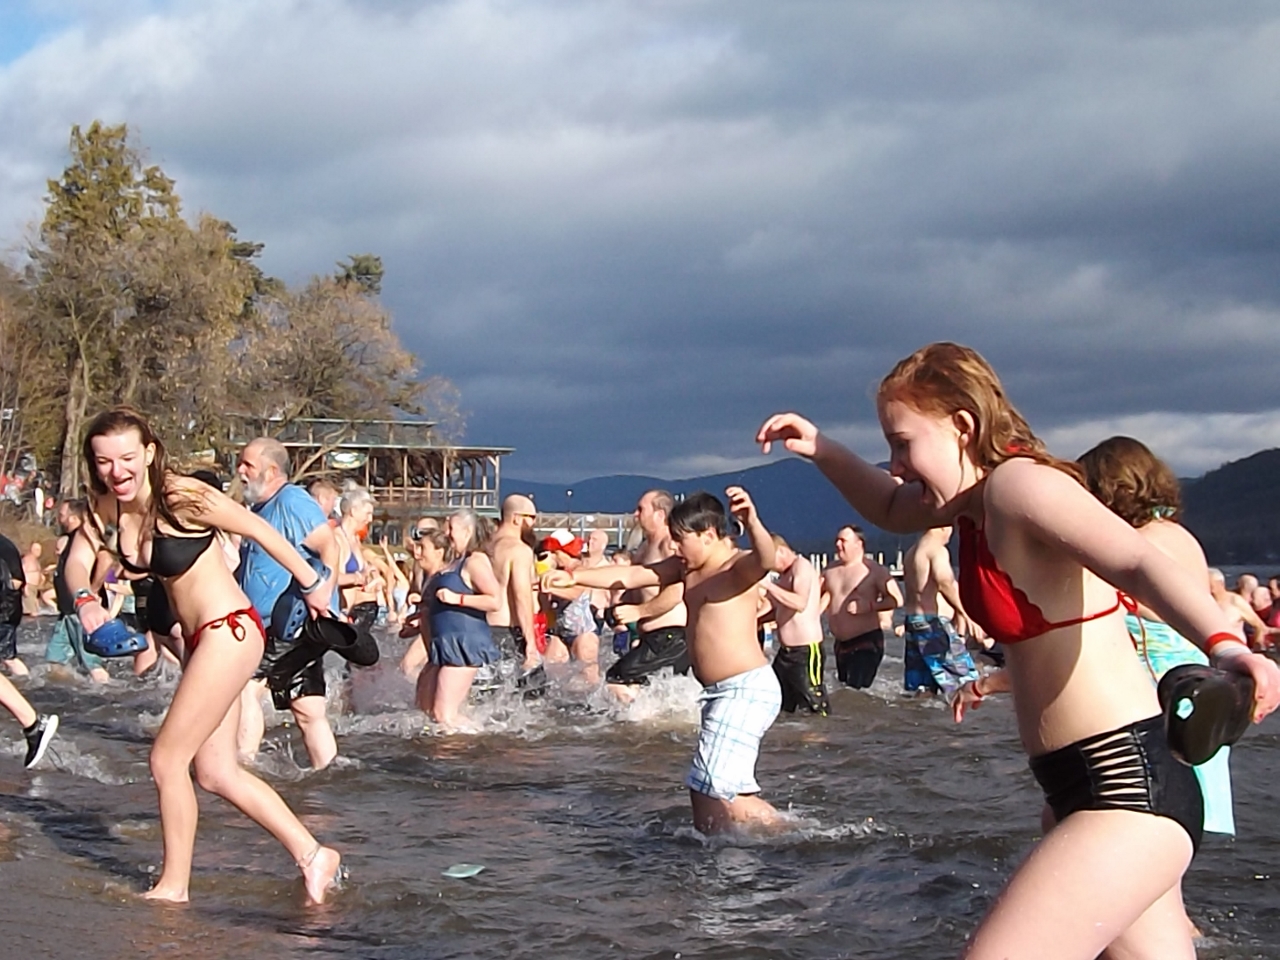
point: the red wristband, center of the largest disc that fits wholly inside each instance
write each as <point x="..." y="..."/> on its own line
<point x="977" y="694"/>
<point x="1220" y="638"/>
<point x="85" y="601"/>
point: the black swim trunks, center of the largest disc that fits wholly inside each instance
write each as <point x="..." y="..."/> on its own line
<point x="858" y="658"/>
<point x="1131" y="768"/>
<point x="307" y="681"/>
<point x="799" y="671"/>
<point x="664" y="647"/>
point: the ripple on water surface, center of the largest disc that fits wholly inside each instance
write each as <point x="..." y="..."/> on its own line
<point x="901" y="829"/>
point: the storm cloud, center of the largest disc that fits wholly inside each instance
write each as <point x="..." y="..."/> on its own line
<point x="629" y="231"/>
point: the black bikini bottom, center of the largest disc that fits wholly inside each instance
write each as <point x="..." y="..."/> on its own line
<point x="1130" y="768"/>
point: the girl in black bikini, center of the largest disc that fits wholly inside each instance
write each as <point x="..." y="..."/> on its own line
<point x="160" y="524"/>
<point x="1044" y="561"/>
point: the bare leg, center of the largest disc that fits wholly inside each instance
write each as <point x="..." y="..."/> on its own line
<point x="144" y="661"/>
<point x="586" y="650"/>
<point x="1091" y="882"/>
<point x="414" y="659"/>
<point x="201" y="726"/>
<point x="1163" y="931"/>
<point x="17" y="668"/>
<point x="711" y="815"/>
<point x="317" y="734"/>
<point x="452" y="686"/>
<point x="425" y="695"/>
<point x="218" y="771"/>
<point x="253" y="724"/>
<point x="556" y="651"/>
<point x="625" y="692"/>
<point x="11" y="699"/>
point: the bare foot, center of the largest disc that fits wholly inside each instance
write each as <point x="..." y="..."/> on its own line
<point x="320" y="873"/>
<point x="165" y="894"/>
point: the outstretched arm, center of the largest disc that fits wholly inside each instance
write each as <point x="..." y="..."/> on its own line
<point x="213" y="508"/>
<point x="667" y="599"/>
<point x="1057" y="511"/>
<point x="882" y="499"/>
<point x="614" y="577"/>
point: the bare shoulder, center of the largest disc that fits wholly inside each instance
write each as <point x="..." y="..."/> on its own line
<point x="1021" y="488"/>
<point x="1177" y="543"/>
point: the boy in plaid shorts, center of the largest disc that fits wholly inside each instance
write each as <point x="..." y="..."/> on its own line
<point x="740" y="697"/>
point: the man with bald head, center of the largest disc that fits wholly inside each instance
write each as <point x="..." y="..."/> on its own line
<point x="1241" y="614"/>
<point x="511" y="553"/>
<point x="264" y="471"/>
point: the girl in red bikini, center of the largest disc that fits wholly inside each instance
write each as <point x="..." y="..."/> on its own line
<point x="1042" y="561"/>
<point x="159" y="523"/>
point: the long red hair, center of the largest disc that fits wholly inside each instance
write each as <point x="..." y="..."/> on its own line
<point x="944" y="379"/>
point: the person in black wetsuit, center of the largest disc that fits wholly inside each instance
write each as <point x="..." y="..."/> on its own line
<point x="38" y="728"/>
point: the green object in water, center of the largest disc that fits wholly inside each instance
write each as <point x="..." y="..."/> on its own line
<point x="463" y="871"/>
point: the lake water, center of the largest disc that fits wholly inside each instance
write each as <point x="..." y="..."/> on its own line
<point x="905" y="828"/>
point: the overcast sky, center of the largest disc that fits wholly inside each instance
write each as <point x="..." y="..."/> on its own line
<point x="630" y="231"/>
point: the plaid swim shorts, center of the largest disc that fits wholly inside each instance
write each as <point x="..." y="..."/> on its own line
<point x="736" y="712"/>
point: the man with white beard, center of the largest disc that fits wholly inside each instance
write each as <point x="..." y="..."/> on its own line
<point x="264" y="471"/>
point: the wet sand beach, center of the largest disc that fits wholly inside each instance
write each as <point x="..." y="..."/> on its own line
<point x="905" y="826"/>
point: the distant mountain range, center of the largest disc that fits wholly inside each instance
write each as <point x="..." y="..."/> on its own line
<point x="1234" y="510"/>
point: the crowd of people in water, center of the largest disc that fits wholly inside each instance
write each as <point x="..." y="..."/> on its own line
<point x="1076" y="589"/>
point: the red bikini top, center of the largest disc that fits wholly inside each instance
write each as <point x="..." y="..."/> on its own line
<point x="991" y="598"/>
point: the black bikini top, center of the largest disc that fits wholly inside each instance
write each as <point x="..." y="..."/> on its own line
<point x="170" y="556"/>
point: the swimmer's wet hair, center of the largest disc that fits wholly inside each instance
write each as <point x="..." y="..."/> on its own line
<point x="1131" y="481"/>
<point x="698" y="512"/>
<point x="943" y="379"/>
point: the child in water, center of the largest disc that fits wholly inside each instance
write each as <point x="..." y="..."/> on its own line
<point x="741" y="697"/>
<point x="1041" y="563"/>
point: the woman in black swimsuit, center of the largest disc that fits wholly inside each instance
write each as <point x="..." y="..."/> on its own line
<point x="160" y="524"/>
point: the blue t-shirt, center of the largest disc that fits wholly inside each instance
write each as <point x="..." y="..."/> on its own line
<point x="294" y="514"/>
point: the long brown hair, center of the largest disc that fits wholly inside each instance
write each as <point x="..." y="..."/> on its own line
<point x="123" y="419"/>
<point x="1132" y="482"/>
<point x="943" y="379"/>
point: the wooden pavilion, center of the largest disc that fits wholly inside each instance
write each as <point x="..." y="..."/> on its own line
<point x="401" y="462"/>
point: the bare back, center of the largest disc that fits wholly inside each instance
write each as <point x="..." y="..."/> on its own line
<point x="1177" y="543"/>
<point x="925" y="566"/>
<point x="800" y="628"/>
<point x="506" y="549"/>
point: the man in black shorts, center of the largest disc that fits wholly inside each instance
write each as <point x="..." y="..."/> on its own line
<point x="855" y="592"/>
<point x="659" y="614"/>
<point x="796" y="601"/>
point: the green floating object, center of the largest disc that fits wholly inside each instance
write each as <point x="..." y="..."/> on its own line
<point x="464" y="871"/>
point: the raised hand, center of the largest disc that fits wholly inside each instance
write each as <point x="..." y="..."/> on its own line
<point x="793" y="431"/>
<point x="740" y="504"/>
